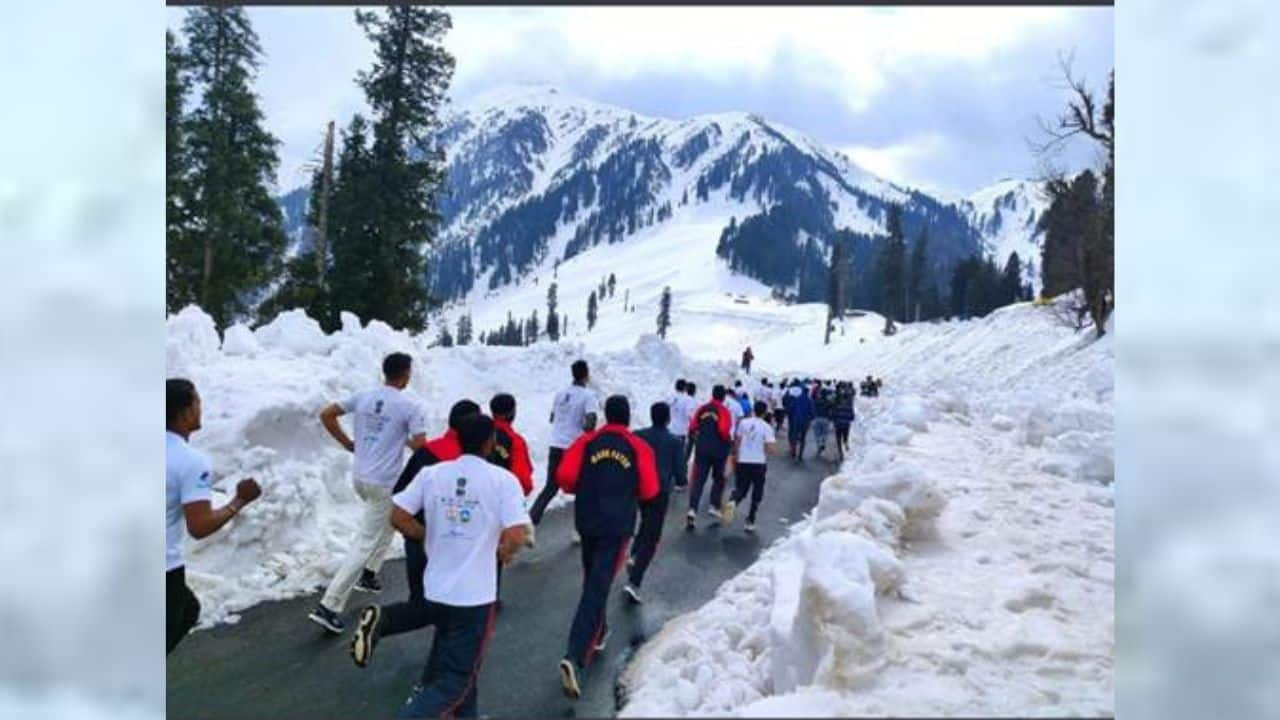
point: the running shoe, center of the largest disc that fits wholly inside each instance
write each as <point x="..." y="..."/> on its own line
<point x="327" y="619"/>
<point x="368" y="583"/>
<point x="727" y="511"/>
<point x="569" y="679"/>
<point x="751" y="527"/>
<point x="366" y="635"/>
<point x="633" y="593"/>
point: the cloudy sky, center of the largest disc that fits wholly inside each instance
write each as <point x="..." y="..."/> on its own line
<point x="939" y="98"/>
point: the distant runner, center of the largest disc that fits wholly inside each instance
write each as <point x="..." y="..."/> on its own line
<point x="747" y="357"/>
<point x="573" y="412"/>
<point x="188" y="494"/>
<point x="475" y="519"/>
<point x="668" y="453"/>
<point x="754" y="442"/>
<point x="799" y="414"/>
<point x="712" y="436"/>
<point x="609" y="470"/>
<point x="843" y="417"/>
<point x="385" y="421"/>
<point x="682" y="407"/>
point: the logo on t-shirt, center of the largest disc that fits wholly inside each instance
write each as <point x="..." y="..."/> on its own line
<point x="377" y="408"/>
<point x="462" y="487"/>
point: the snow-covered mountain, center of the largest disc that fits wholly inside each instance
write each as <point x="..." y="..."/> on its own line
<point x="1007" y="214"/>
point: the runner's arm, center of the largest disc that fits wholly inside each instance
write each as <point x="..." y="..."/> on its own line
<point x="329" y="418"/>
<point x="510" y="542"/>
<point x="417" y="441"/>
<point x="203" y="520"/>
<point x="407" y="524"/>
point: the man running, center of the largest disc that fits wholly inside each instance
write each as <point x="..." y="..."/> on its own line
<point x="572" y="413"/>
<point x="747" y="357"/>
<point x="475" y="519"/>
<point x="710" y="429"/>
<point x="668" y="453"/>
<point x="799" y="414"/>
<point x="510" y="452"/>
<point x="823" y="409"/>
<point x="608" y="470"/>
<point x="441" y="449"/>
<point x="691" y="389"/>
<point x="682" y="407"/>
<point x="753" y="443"/>
<point x="187" y="487"/>
<point x="386" y="419"/>
<point x="843" y="417"/>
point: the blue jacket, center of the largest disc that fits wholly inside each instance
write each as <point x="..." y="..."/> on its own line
<point x="801" y="410"/>
<point x="843" y="414"/>
<point x="668" y="454"/>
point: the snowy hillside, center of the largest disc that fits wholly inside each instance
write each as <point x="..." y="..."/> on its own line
<point x="960" y="563"/>
<point x="1007" y="214"/>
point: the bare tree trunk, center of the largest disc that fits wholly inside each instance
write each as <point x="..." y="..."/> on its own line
<point x="207" y="273"/>
<point x="326" y="187"/>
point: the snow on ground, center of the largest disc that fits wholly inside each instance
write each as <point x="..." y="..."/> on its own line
<point x="960" y="563"/>
<point x="262" y="391"/>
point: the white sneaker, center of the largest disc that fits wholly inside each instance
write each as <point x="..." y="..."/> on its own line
<point x="690" y="518"/>
<point x="569" y="679"/>
<point x="633" y="593"/>
<point x="751" y="527"/>
<point x="576" y="539"/>
<point x="727" y="511"/>
<point x="715" y="513"/>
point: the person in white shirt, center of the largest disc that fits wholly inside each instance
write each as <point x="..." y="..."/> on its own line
<point x="574" y="411"/>
<point x="386" y="421"/>
<point x="682" y="406"/>
<point x="754" y="441"/>
<point x="187" y="503"/>
<point x="475" y="519"/>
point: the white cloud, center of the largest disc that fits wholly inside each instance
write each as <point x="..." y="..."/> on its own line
<point x="898" y="162"/>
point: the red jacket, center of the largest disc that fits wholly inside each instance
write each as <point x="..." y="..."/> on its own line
<point x="445" y="447"/>
<point x="510" y="451"/>
<point x="609" y="470"/>
<point x="723" y="422"/>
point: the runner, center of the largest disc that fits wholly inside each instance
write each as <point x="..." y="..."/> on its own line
<point x="608" y="470"/>
<point x="753" y="444"/>
<point x="573" y="412"/>
<point x="823" y="408"/>
<point x="475" y="519"/>
<point x="188" y="502"/>
<point x="668" y="453"/>
<point x="682" y="407"/>
<point x="711" y="433"/>
<point x="385" y="421"/>
<point x="799" y="414"/>
<point x="692" y="389"/>
<point x="747" y="357"/>
<point x="511" y="453"/>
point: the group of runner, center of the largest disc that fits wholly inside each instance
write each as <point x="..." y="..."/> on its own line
<point x="459" y="503"/>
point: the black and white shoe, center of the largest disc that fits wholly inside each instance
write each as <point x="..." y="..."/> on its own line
<point x="327" y="619"/>
<point x="604" y="639"/>
<point x="366" y="635"/>
<point x="690" y="518"/>
<point x="715" y="513"/>
<point x="751" y="527"/>
<point x="569" y="679"/>
<point x="631" y="561"/>
<point x="632" y="592"/>
<point x="368" y="583"/>
<point x="575" y="539"/>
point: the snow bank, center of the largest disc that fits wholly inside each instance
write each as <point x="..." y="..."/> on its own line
<point x="960" y="563"/>
<point x="262" y="393"/>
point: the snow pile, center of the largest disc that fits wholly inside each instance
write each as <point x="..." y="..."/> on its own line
<point x="960" y="563"/>
<point x="262" y="392"/>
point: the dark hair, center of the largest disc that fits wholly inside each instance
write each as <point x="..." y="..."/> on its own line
<point x="617" y="411"/>
<point x="760" y="408"/>
<point x="396" y="365"/>
<point x="179" y="394"/>
<point x="717" y="392"/>
<point x="473" y="431"/>
<point x="460" y="411"/>
<point x="579" y="368"/>
<point x="660" y="414"/>
<point x="502" y="405"/>
<point x="680" y="385"/>
<point x="691" y="388"/>
<point x="764" y="380"/>
<point x="737" y="383"/>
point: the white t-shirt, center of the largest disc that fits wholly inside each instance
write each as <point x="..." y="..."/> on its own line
<point x="571" y="405"/>
<point x="735" y="413"/>
<point x="682" y="407"/>
<point x="385" y="419"/>
<point x="186" y="480"/>
<point x="754" y="433"/>
<point x="467" y="504"/>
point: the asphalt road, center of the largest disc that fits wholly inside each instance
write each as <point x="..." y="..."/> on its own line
<point x="275" y="663"/>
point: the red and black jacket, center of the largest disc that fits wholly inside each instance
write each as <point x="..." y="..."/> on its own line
<point x="510" y="452"/>
<point x="710" y="426"/>
<point x="441" y="449"/>
<point x="609" y="470"/>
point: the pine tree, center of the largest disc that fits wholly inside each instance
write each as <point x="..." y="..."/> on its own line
<point x="443" y="338"/>
<point x="892" y="270"/>
<point x="1011" y="280"/>
<point x="405" y="88"/>
<point x="835" y="287"/>
<point x="236" y="226"/>
<point x="302" y="286"/>
<point x="664" y="312"/>
<point x="918" y="276"/>
<point x="464" y="329"/>
<point x="553" y="320"/>
<point x="353" y="249"/>
<point x="532" y="330"/>
<point x="591" y="311"/>
<point x="181" y="270"/>
<point x="612" y="282"/>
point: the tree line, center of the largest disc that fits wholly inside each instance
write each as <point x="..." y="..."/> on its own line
<point x="371" y="211"/>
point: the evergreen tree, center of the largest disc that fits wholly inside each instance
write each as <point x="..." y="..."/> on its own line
<point x="892" y="270"/>
<point x="181" y="270"/>
<point x="918" y="276"/>
<point x="612" y="282"/>
<point x="464" y="329"/>
<point x="302" y="285"/>
<point x="405" y="88"/>
<point x="352" y="247"/>
<point x="564" y="324"/>
<point x="236" y="226"/>
<point x="553" y="319"/>
<point x="1011" y="280"/>
<point x="835" y="287"/>
<point x="664" y="312"/>
<point x="591" y="311"/>
<point x="443" y="338"/>
<point x="532" y="330"/>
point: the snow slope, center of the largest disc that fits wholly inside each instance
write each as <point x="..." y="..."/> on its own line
<point x="263" y="389"/>
<point x="1007" y="214"/>
<point x="960" y="563"/>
